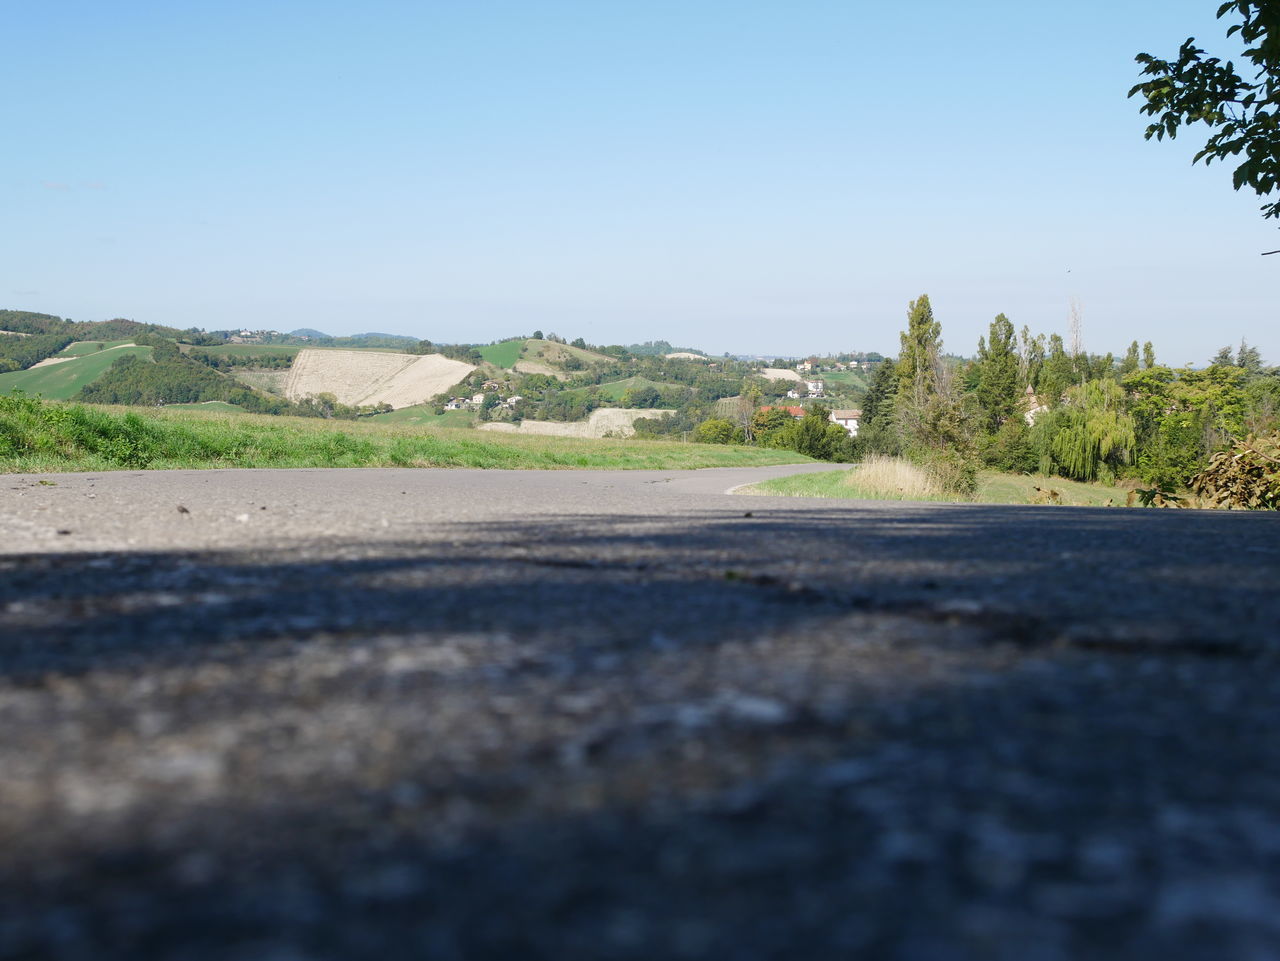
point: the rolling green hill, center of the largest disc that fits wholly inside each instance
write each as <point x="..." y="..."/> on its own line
<point x="64" y="380"/>
<point x="562" y="358"/>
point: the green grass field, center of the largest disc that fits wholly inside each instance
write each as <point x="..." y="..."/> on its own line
<point x="844" y="381"/>
<point x="424" y="416"/>
<point x="83" y="347"/>
<point x="504" y="354"/>
<point x="63" y="381"/>
<point x="41" y="437"/>
<point x="993" y="488"/>
<point x="614" y="390"/>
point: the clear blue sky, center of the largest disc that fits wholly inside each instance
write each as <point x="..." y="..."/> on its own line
<point x="744" y="176"/>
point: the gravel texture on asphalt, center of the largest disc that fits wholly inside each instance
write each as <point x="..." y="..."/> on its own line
<point x="621" y="715"/>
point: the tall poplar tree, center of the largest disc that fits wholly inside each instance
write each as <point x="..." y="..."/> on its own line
<point x="921" y="349"/>
<point x="998" y="373"/>
<point x="1058" y="373"/>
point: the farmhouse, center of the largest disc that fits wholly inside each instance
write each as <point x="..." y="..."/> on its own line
<point x="848" y="419"/>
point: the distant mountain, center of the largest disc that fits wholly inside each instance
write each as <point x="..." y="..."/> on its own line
<point x="309" y="332"/>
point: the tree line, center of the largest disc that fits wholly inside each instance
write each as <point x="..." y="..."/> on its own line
<point x="1028" y="404"/>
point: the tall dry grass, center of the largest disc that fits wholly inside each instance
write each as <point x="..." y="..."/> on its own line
<point x="892" y="478"/>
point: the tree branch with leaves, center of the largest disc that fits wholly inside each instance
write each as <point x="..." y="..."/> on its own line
<point x="1242" y="111"/>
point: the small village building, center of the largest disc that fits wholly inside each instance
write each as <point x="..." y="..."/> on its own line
<point x="848" y="419"/>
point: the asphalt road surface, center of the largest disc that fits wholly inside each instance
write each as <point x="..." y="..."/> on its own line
<point x="384" y="714"/>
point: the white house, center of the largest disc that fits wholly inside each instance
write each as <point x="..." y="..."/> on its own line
<point x="848" y="419"/>
<point x="816" y="387"/>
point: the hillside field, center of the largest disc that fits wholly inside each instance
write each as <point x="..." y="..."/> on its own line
<point x="423" y="415"/>
<point x="504" y="354"/>
<point x="844" y="381"/>
<point x="603" y="422"/>
<point x="613" y="390"/>
<point x="82" y="347"/>
<point x="63" y="381"/>
<point x="549" y="357"/>
<point x="372" y="377"/>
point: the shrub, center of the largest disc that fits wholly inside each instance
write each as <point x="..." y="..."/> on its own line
<point x="1010" y="449"/>
<point x="715" y="430"/>
<point x="1246" y="476"/>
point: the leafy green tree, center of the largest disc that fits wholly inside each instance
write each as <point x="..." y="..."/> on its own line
<point x="997" y="387"/>
<point x="921" y="349"/>
<point x="1030" y="358"/>
<point x="766" y="425"/>
<point x="1262" y="404"/>
<point x="642" y="396"/>
<point x="1130" y="363"/>
<point x="716" y="430"/>
<point x="1090" y="436"/>
<point x="1249" y="359"/>
<point x="1223" y="358"/>
<point x="815" y="435"/>
<point x="1148" y="355"/>
<point x="1241" y="112"/>
<point x="878" y="430"/>
<point x="1058" y="373"/>
<point x="1011" y="448"/>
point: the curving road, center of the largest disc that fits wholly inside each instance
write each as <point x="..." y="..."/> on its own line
<point x="485" y="714"/>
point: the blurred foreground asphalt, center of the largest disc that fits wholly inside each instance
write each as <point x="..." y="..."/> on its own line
<point x="293" y="715"/>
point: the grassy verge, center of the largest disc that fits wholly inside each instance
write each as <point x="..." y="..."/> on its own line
<point x="993" y="488"/>
<point x="42" y="437"/>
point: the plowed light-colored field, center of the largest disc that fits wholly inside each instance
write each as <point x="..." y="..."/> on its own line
<point x="779" y="373"/>
<point x="604" y="422"/>
<point x="360" y="377"/>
